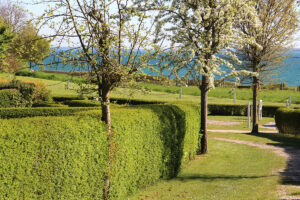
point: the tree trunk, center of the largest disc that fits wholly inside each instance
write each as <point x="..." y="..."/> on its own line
<point x="203" y="129"/>
<point x="106" y="117"/>
<point x="254" y="115"/>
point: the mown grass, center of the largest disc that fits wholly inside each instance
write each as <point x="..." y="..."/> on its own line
<point x="58" y="89"/>
<point x="229" y="171"/>
<point x="51" y="76"/>
<point x="242" y="120"/>
<point x="278" y="96"/>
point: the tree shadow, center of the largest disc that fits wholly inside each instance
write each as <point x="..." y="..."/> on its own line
<point x="213" y="177"/>
<point x="291" y="146"/>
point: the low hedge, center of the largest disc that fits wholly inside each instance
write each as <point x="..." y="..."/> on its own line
<point x="82" y="103"/>
<point x="66" y="98"/>
<point x="288" y="121"/>
<point x="238" y="110"/>
<point x="65" y="158"/>
<point x="7" y="113"/>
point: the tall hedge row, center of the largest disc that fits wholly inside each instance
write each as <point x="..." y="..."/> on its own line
<point x="52" y="158"/>
<point x="288" y="121"/>
<point x="65" y="158"/>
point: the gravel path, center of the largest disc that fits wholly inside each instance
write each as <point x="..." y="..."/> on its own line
<point x="290" y="175"/>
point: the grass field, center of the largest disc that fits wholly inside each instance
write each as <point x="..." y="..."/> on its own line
<point x="278" y="96"/>
<point x="58" y="89"/>
<point x="243" y="120"/>
<point x="229" y="171"/>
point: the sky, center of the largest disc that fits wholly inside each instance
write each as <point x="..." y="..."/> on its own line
<point x="38" y="10"/>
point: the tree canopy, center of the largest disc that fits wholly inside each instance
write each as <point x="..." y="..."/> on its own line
<point x="198" y="31"/>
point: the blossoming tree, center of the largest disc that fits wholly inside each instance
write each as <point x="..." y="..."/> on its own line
<point x="199" y="30"/>
<point x="279" y="23"/>
<point x="109" y="37"/>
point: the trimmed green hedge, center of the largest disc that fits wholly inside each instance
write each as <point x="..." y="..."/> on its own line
<point x="82" y="103"/>
<point x="65" y="157"/>
<point x="7" y="113"/>
<point x="52" y="158"/>
<point x="66" y="98"/>
<point x="238" y="110"/>
<point x="288" y="121"/>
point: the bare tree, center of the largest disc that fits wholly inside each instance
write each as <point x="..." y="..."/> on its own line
<point x="14" y="16"/>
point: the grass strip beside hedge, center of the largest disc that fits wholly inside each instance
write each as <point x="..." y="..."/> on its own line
<point x="288" y="121"/>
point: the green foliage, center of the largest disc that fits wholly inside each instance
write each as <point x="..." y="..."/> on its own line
<point x="5" y="39"/>
<point x="29" y="46"/>
<point x="82" y="103"/>
<point x="287" y="121"/>
<point x="65" y="158"/>
<point x="238" y="110"/>
<point x="32" y="92"/>
<point x="155" y="140"/>
<point x="11" y="98"/>
<point x="66" y="98"/>
<point x="7" y="113"/>
<point x="48" y="105"/>
<point x="52" y="158"/>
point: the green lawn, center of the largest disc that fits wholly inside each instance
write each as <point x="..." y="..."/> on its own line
<point x="276" y="96"/>
<point x="58" y="89"/>
<point x="243" y="120"/>
<point x="229" y="171"/>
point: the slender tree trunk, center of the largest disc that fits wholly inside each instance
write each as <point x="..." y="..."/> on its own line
<point x="203" y="129"/>
<point x="106" y="117"/>
<point x="254" y="115"/>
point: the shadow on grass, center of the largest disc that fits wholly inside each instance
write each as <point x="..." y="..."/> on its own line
<point x="291" y="146"/>
<point x="213" y="177"/>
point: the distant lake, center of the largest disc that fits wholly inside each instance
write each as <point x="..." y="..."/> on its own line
<point x="290" y="73"/>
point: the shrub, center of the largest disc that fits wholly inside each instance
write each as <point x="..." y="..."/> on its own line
<point x="40" y="93"/>
<point x="65" y="158"/>
<point x="67" y="98"/>
<point x="11" y="98"/>
<point x="82" y="103"/>
<point x="155" y="140"/>
<point x="52" y="158"/>
<point x="48" y="105"/>
<point x="238" y="110"/>
<point x="221" y="109"/>
<point x="32" y="91"/>
<point x="7" y="113"/>
<point x="287" y="121"/>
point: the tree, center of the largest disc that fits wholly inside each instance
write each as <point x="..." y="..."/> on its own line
<point x="112" y="36"/>
<point x="198" y="31"/>
<point x="6" y="38"/>
<point x="29" y="46"/>
<point x="279" y="23"/>
<point x="12" y="15"/>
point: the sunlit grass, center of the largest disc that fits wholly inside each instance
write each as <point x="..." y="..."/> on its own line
<point x="229" y="171"/>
